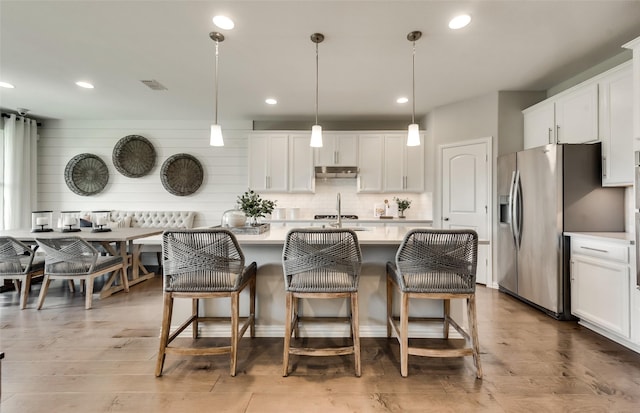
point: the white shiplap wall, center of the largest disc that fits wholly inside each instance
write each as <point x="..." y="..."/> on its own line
<point x="225" y="171"/>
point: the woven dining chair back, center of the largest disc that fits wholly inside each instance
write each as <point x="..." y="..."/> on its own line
<point x="73" y="258"/>
<point x="18" y="262"/>
<point x="436" y="264"/>
<point x="321" y="260"/>
<point x="321" y="263"/>
<point x="201" y="260"/>
<point x="199" y="264"/>
<point x="438" y="261"/>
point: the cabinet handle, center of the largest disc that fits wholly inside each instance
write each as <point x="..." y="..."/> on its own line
<point x="266" y="182"/>
<point x="558" y="133"/>
<point x="335" y="157"/>
<point x="594" y="249"/>
<point x="604" y="166"/>
<point x="550" y="137"/>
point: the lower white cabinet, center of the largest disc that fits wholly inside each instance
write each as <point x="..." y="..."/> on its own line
<point x="600" y="284"/>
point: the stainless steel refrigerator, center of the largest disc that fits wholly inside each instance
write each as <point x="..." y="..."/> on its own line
<point x="543" y="192"/>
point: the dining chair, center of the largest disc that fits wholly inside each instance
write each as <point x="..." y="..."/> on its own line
<point x="321" y="264"/>
<point x="72" y="258"/>
<point x="199" y="264"/>
<point x="435" y="264"/>
<point x="18" y="262"/>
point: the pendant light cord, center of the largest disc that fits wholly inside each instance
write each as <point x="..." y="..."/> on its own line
<point x="216" y="82"/>
<point x="413" y="83"/>
<point x="316" y="83"/>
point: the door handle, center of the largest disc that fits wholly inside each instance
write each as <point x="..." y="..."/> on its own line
<point x="550" y="137"/>
<point x="446" y="219"/>
<point x="604" y="166"/>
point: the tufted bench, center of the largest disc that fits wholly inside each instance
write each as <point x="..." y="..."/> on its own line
<point x="155" y="219"/>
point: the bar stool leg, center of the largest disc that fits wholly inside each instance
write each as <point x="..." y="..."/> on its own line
<point x="164" y="333"/>
<point x="447" y="312"/>
<point x="473" y="326"/>
<point x="234" y="332"/>
<point x="355" y="332"/>
<point x="389" y="305"/>
<point x="404" y="334"/>
<point x="287" y="334"/>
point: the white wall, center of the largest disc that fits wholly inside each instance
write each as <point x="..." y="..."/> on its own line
<point x="225" y="171"/>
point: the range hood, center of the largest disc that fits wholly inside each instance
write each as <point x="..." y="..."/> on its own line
<point x="331" y="172"/>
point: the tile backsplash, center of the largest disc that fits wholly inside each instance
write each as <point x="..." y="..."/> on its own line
<point x="324" y="201"/>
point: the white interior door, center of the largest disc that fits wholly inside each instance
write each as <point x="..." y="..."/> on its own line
<point x="465" y="194"/>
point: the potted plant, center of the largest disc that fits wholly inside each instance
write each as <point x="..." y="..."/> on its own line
<point x="403" y="205"/>
<point x="255" y="206"/>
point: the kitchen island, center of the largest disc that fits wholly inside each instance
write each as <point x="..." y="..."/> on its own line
<point x="378" y="244"/>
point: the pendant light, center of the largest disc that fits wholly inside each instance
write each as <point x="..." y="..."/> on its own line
<point x="316" y="130"/>
<point x="413" y="136"/>
<point x="216" y="130"/>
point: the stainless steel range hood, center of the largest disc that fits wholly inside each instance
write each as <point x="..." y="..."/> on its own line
<point x="330" y="172"/>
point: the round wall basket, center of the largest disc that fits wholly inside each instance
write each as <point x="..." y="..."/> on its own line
<point x="134" y="156"/>
<point x="86" y="174"/>
<point x="181" y="174"/>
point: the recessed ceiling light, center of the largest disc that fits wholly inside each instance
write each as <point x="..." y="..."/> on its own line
<point x="223" y="22"/>
<point x="271" y="101"/>
<point x="402" y="100"/>
<point x="85" y="85"/>
<point x="459" y="22"/>
<point x="7" y="85"/>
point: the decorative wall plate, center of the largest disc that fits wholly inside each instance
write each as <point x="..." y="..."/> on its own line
<point x="86" y="174"/>
<point x="181" y="174"/>
<point x="134" y="156"/>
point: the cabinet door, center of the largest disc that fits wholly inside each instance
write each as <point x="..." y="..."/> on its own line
<point x="600" y="293"/>
<point x="326" y="155"/>
<point x="268" y="163"/>
<point x="346" y="150"/>
<point x="277" y="154"/>
<point x="370" y="163"/>
<point x="414" y="168"/>
<point x="394" y="160"/>
<point x="301" y="178"/>
<point x="577" y="115"/>
<point x="258" y="162"/>
<point x="539" y="125"/>
<point x="616" y="127"/>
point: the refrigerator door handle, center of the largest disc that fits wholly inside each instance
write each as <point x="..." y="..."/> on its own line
<point x="519" y="207"/>
<point x="512" y="224"/>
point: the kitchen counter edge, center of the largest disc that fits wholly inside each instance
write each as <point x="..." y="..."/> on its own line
<point x="622" y="237"/>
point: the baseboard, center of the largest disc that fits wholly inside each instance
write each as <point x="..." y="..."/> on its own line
<point x="611" y="336"/>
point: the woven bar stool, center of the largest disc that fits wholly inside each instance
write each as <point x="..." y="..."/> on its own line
<point x="206" y="263"/>
<point x="19" y="263"/>
<point x="440" y="265"/>
<point x="72" y="258"/>
<point x="321" y="263"/>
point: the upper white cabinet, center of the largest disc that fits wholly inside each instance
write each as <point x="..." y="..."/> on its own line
<point x="403" y="165"/>
<point x="268" y="162"/>
<point x="540" y="124"/>
<point x="337" y="150"/>
<point x="301" y="178"/>
<point x="370" y="160"/>
<point x="577" y="115"/>
<point x="616" y="125"/>
<point x="569" y="117"/>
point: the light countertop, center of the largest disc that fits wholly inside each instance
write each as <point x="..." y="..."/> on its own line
<point x="624" y="237"/>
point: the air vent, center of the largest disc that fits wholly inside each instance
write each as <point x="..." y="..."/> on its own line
<point x="154" y="84"/>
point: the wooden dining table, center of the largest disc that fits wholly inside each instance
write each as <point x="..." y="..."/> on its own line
<point x="117" y="242"/>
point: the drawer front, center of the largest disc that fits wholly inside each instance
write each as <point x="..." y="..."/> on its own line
<point x="603" y="250"/>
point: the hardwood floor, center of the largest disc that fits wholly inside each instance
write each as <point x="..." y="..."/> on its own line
<point x="67" y="359"/>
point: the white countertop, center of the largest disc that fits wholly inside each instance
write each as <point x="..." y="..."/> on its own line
<point x="624" y="237"/>
<point x="374" y="235"/>
<point x="378" y="221"/>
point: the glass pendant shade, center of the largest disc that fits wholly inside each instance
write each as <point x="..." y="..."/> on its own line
<point x="316" y="136"/>
<point x="413" y="137"/>
<point x="216" y="136"/>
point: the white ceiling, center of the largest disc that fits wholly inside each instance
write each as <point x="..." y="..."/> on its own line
<point x="365" y="60"/>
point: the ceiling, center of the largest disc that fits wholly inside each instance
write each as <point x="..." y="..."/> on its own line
<point x="364" y="62"/>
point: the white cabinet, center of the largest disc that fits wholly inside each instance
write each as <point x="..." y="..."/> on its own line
<point x="577" y="115"/>
<point x="370" y="160"/>
<point x="569" y="117"/>
<point x="600" y="285"/>
<point x="301" y="178"/>
<point x="337" y="150"/>
<point x="616" y="125"/>
<point x="403" y="165"/>
<point x="539" y="124"/>
<point x="268" y="162"/>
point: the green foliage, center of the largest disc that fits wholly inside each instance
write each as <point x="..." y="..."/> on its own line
<point x="254" y="206"/>
<point x="403" y="204"/>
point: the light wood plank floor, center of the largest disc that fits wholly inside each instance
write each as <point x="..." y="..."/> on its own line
<point x="66" y="359"/>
